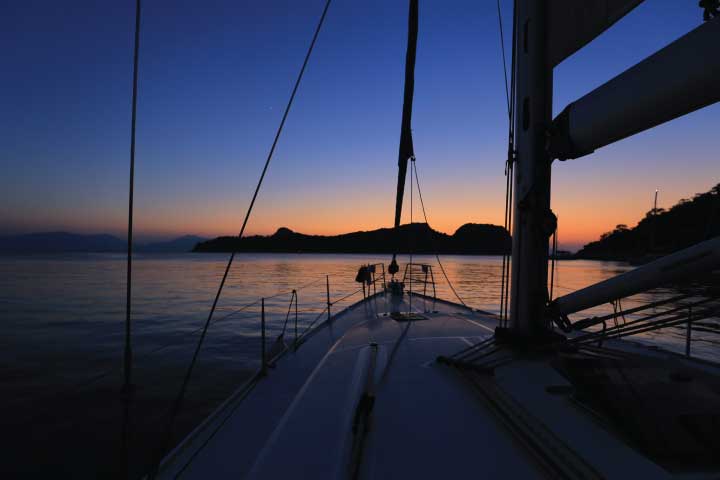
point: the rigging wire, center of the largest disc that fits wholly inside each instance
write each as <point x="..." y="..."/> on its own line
<point x="508" y="88"/>
<point x="510" y="161"/>
<point x="178" y="402"/>
<point x="127" y="361"/>
<point x="437" y="257"/>
<point x="127" y="355"/>
<point x="504" y="60"/>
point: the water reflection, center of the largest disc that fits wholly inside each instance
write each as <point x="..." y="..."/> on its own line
<point x="62" y="324"/>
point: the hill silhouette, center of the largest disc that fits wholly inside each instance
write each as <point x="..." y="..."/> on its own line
<point x="661" y="231"/>
<point x="470" y="239"/>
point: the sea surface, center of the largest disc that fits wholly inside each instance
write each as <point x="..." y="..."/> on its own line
<point x="62" y="336"/>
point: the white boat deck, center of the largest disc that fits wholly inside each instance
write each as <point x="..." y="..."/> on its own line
<point x="427" y="421"/>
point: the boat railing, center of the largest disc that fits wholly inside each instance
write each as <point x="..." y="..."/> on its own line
<point x="294" y="332"/>
<point x="687" y="314"/>
<point x="420" y="274"/>
<point x="374" y="282"/>
<point x="376" y="277"/>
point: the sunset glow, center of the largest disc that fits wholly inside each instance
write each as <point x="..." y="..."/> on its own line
<point x="213" y="82"/>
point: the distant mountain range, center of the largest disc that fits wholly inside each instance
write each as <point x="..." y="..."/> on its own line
<point x="474" y="239"/>
<point x="661" y="232"/>
<point x="56" y="242"/>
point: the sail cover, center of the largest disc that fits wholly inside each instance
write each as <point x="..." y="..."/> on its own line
<point x="406" y="142"/>
<point x="572" y="24"/>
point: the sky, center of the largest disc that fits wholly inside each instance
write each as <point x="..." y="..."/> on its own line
<point x="214" y="79"/>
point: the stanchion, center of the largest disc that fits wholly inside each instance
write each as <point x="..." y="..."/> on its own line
<point x="327" y="283"/>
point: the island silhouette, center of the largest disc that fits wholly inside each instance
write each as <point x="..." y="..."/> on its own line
<point x="661" y="232"/>
<point x="420" y="238"/>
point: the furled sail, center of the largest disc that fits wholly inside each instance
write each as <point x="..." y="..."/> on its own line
<point x="572" y="24"/>
<point x="406" y="151"/>
<point x="676" y="80"/>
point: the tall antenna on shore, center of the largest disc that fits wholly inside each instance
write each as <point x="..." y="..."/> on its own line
<point x="655" y="202"/>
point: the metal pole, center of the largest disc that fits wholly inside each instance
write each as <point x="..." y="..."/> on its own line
<point x="411" y="238"/>
<point x="425" y="284"/>
<point x="653" y="229"/>
<point x="552" y="263"/>
<point x="327" y="283"/>
<point x="262" y="334"/>
<point x="432" y="279"/>
<point x="410" y="292"/>
<point x="533" y="221"/>
<point x="688" y="334"/>
<point x="296" y="316"/>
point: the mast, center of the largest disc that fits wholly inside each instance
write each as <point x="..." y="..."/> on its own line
<point x="533" y="221"/>
<point x="406" y="150"/>
<point x="676" y="80"/>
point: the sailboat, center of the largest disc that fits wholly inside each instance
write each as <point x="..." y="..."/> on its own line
<point x="403" y="384"/>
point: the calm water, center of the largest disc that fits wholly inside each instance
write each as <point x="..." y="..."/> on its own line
<point x="62" y="336"/>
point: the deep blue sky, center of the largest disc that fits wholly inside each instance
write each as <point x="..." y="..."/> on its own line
<point x="214" y="79"/>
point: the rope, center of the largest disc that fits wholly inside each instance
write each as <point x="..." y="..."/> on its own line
<point x="178" y="402"/>
<point x="437" y="257"/>
<point x="622" y="312"/>
<point x="127" y="356"/>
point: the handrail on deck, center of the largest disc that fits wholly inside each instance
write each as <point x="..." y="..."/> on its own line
<point x="685" y="311"/>
<point x="421" y="273"/>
